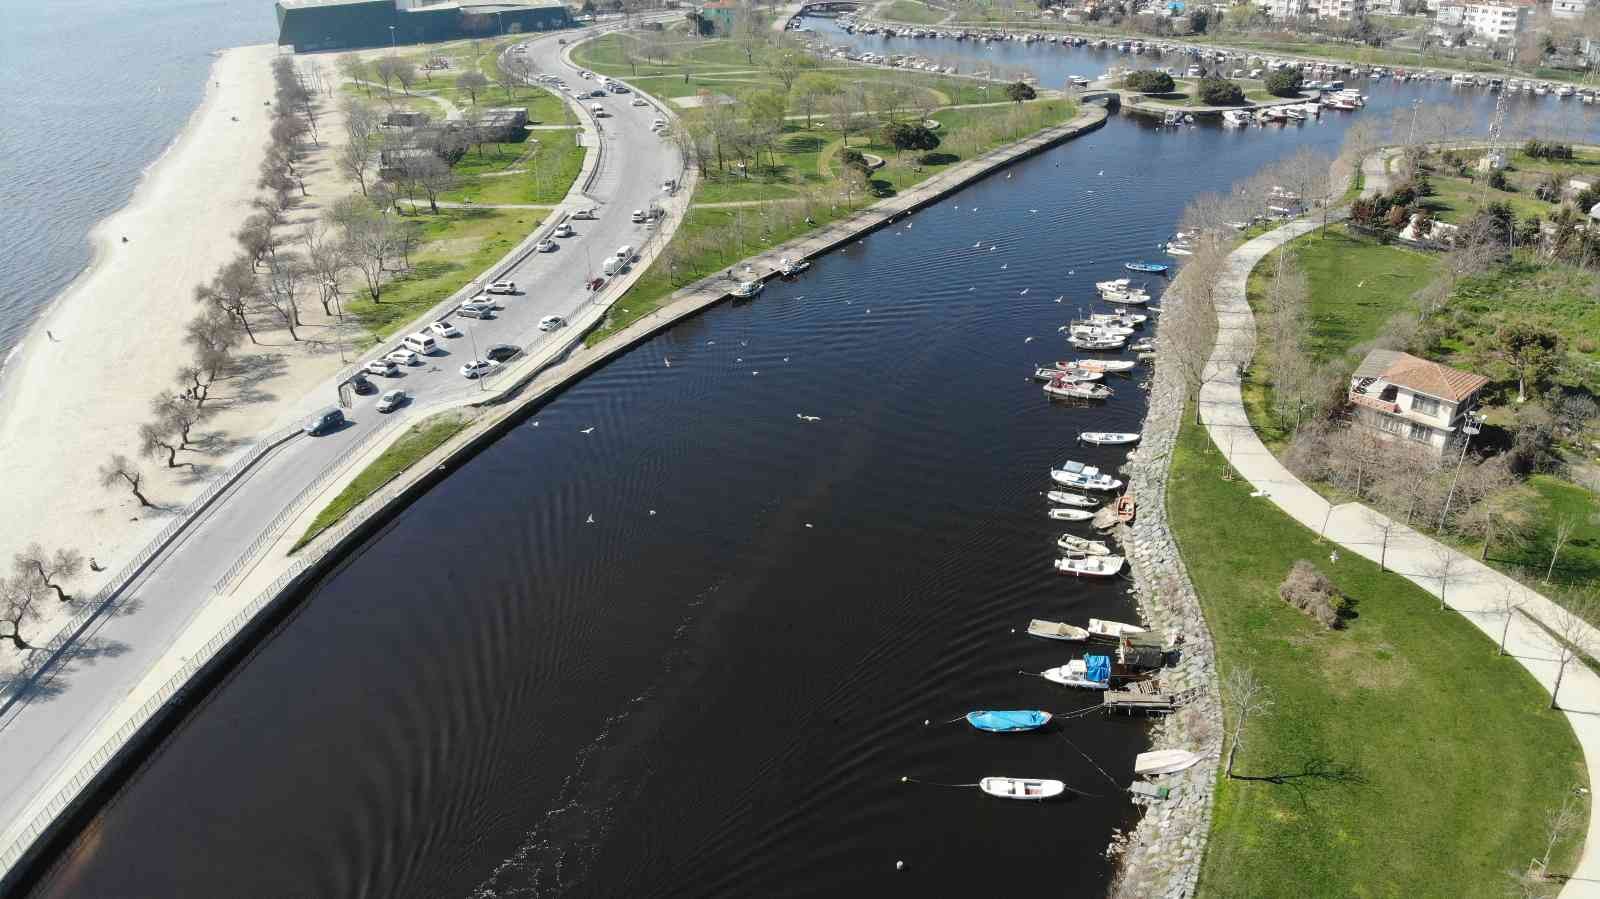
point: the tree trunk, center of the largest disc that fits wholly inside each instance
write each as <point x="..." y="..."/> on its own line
<point x="16" y="638"/>
<point x="172" y="455"/>
<point x="1505" y="630"/>
<point x="1561" y="671"/>
<point x="244" y="321"/>
<point x="133" y="486"/>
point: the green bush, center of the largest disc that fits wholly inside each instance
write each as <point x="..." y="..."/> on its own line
<point x="1149" y="81"/>
<point x="1497" y="179"/>
<point x="1220" y="92"/>
<point x="1285" y="83"/>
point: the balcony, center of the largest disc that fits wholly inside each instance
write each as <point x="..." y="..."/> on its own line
<point x="1362" y="399"/>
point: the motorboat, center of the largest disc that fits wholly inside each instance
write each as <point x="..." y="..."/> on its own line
<point x="1057" y="630"/>
<point x="1103" y="365"/>
<point x="1085" y="342"/>
<point x="1091" y="566"/>
<point x="1008" y="722"/>
<point x="1115" y="285"/>
<point x="1096" y="329"/>
<point x="747" y="289"/>
<point x="1121" y="317"/>
<point x="1233" y="118"/>
<point x="1179" y="249"/>
<point x="1165" y="761"/>
<point x="1127" y="298"/>
<point x="1064" y="498"/>
<point x="1100" y="627"/>
<point x="1087" y="673"/>
<point x="1109" y="438"/>
<point x="789" y="269"/>
<point x="1022" y="788"/>
<point x="1071" y="514"/>
<point x="1084" y="477"/>
<point x="1062" y="388"/>
<point x="1144" y="345"/>
<point x="1074" y="543"/>
<point x="1068" y="373"/>
<point x="1154" y="268"/>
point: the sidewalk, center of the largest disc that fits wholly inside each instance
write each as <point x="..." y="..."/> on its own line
<point x="1473" y="588"/>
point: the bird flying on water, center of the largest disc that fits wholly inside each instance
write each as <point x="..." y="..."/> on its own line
<point x="1024" y="291"/>
<point x="591" y="519"/>
<point x="804" y="417"/>
<point x="1028" y="340"/>
<point x="588" y="430"/>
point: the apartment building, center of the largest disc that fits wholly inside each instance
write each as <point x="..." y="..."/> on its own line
<point x="1494" y="21"/>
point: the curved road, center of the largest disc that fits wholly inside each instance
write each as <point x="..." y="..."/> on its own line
<point x="45" y="737"/>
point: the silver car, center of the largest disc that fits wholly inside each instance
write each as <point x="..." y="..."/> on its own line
<point x="392" y="400"/>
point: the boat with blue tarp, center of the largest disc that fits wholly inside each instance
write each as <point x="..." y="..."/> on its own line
<point x="1008" y="722"/>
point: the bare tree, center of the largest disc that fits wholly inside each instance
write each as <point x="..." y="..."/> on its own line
<point x="1574" y="636"/>
<point x="213" y="334"/>
<point x="405" y="73"/>
<point x="1560" y="823"/>
<point x="1446" y="565"/>
<point x="155" y="438"/>
<point x="19" y="600"/>
<point x="235" y="291"/>
<point x="514" y="71"/>
<point x="50" y="568"/>
<point x="1565" y="525"/>
<point x="386" y="68"/>
<point x="285" y="275"/>
<point x="119" y="469"/>
<point x="355" y="68"/>
<point x="1385" y="526"/>
<point x="472" y="83"/>
<point x="1245" y="698"/>
<point x="432" y="176"/>
<point x="178" y="415"/>
<point x="1511" y="598"/>
<point x="361" y="141"/>
<point x="325" y="262"/>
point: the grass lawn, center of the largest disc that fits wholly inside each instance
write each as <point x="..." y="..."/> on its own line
<point x="421" y="439"/>
<point x="1555" y="295"/>
<point x="456" y="245"/>
<point x="537" y="171"/>
<point x="1405" y="755"/>
<point x="1549" y="500"/>
<point x="1455" y="199"/>
<point x="1356" y="285"/>
<point x="912" y="12"/>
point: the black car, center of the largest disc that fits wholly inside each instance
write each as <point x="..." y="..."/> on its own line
<point x="502" y="352"/>
<point x="329" y="419"/>
<point x="362" y="385"/>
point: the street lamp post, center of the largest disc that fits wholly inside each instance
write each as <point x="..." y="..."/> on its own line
<point x="391" y="41"/>
<point x="1470" y="427"/>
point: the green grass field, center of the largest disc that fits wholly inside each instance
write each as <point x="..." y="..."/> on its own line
<point x="537" y="171"/>
<point x="911" y="12"/>
<point x="1403" y="757"/>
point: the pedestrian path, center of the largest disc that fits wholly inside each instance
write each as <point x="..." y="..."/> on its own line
<point x="1470" y="587"/>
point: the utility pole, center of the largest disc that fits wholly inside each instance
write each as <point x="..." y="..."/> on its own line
<point x="1470" y="427"/>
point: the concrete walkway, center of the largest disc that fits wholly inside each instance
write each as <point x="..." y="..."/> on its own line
<point x="1472" y="589"/>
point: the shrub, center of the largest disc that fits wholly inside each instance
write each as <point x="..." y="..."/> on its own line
<point x="1018" y="91"/>
<point x="1497" y="179"/>
<point x="854" y="159"/>
<point x="1220" y="92"/>
<point x="1149" y="81"/>
<point x="1312" y="593"/>
<point x="1285" y="83"/>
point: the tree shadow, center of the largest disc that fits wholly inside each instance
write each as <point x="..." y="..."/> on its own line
<point x="1317" y="773"/>
<point x="247" y="376"/>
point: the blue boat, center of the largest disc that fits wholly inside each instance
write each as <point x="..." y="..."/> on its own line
<point x="1008" y="722"/>
<point x="1153" y="267"/>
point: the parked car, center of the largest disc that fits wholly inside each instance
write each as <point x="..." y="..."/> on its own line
<point x="502" y="353"/>
<point x="443" y="328"/>
<point x="382" y="367"/>
<point x="392" y="400"/>
<point x="361" y="384"/>
<point x="545" y="246"/>
<point x="478" y="368"/>
<point x="330" y="419"/>
<point x="564" y="230"/>
<point x="503" y="287"/>
<point x="669" y="185"/>
<point x="404" y="357"/>
<point x="659" y="123"/>
<point x="552" y="323"/>
<point x="478" y="312"/>
<point x="477" y="308"/>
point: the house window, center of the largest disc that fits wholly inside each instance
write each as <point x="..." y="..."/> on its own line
<point x="1391" y="425"/>
<point x="1424" y="405"/>
<point x="1420" y="433"/>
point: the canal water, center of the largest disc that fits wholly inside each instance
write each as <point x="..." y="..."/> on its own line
<point x="693" y="651"/>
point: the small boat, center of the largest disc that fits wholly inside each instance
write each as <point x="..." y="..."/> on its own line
<point x="747" y="289"/>
<point x="1108" y="438"/>
<point x="1091" y="566"/>
<point x="1022" y="787"/>
<point x="1152" y="267"/>
<point x="1008" y="722"/>
<point x="1076" y="544"/>
<point x="1049" y="373"/>
<point x="1071" y="514"/>
<point x="1072" y="499"/>
<point x="1121" y="317"/>
<point x="1084" y="477"/>
<point x="1127" y="298"/>
<point x="1104" y="365"/>
<point x="1083" y="342"/>
<point x="1077" y="390"/>
<point x="790" y="269"/>
<point x="1057" y="630"/>
<point x="1100" y="329"/>
<point x="1179" y="249"/>
<point x="1144" y="345"/>
<point x="1164" y="761"/>
<point x="1125" y="508"/>
<point x="1114" y="285"/>
<point x="1100" y="627"/>
<point x="1088" y="673"/>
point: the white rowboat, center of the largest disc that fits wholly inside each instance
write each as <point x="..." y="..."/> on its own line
<point x="1022" y="787"/>
<point x="1057" y="630"/>
<point x="1072" y="499"/>
<point x="1071" y="514"/>
<point x="1103" y="628"/>
<point x="1109" y="438"/>
<point x="1075" y="544"/>
<point x="1091" y="566"/>
<point x="1164" y="761"/>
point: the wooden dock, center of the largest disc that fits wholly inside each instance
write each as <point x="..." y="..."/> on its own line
<point x="1140" y="696"/>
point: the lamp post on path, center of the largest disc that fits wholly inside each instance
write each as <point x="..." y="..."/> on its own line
<point x="1471" y="427"/>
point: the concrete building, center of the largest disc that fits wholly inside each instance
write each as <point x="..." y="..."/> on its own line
<point x="721" y="13"/>
<point x="1450" y="15"/>
<point x="1343" y="10"/>
<point x="1413" y="399"/>
<point x="341" y="24"/>
<point x="505" y="123"/>
<point x="1494" y="21"/>
<point x="1568" y="9"/>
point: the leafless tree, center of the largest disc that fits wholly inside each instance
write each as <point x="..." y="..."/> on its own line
<point x="361" y="141"/>
<point x="213" y="334"/>
<point x="1245" y="697"/>
<point x="1385" y="526"/>
<point x="325" y="262"/>
<point x="1565" y="525"/>
<point x="405" y="73"/>
<point x="285" y="275"/>
<point x="356" y="69"/>
<point x="156" y="437"/>
<point x="514" y="71"/>
<point x="1506" y="605"/>
<point x="1560" y="823"/>
<point x="432" y="176"/>
<point x="371" y="242"/>
<point x="386" y="68"/>
<point x="50" y="568"/>
<point x="19" y="600"/>
<point x="256" y="238"/>
<point x="1574" y="636"/>
<point x="119" y="470"/>
<point x="178" y="415"/>
<point x="1446" y="566"/>
<point x="472" y="83"/>
<point x="235" y="291"/>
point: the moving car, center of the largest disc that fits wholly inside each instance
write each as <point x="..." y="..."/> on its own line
<point x="404" y="357"/>
<point x="329" y="419"/>
<point x="545" y="246"/>
<point x="477" y="368"/>
<point x="598" y="111"/>
<point x="382" y="367"/>
<point x="669" y="185"/>
<point x="361" y="384"/>
<point x="443" y="328"/>
<point x="503" y="287"/>
<point x="476" y="308"/>
<point x="564" y="230"/>
<point x="589" y="214"/>
<point x="639" y="101"/>
<point x="502" y="353"/>
<point x="421" y="343"/>
<point x="638" y="216"/>
<point x="659" y="123"/>
<point x="552" y="323"/>
<point x="392" y="400"/>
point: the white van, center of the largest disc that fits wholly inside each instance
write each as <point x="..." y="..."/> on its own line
<point x="625" y="252"/>
<point x="613" y="265"/>
<point x="420" y="343"/>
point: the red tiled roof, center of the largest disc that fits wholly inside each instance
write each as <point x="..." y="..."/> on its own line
<point x="1431" y="378"/>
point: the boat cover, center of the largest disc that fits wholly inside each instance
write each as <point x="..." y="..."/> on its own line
<point x="1098" y="668"/>
<point x="1000" y="722"/>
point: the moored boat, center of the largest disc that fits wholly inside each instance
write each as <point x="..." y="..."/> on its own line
<point x="1076" y="544"/>
<point x="1164" y="761"/>
<point x="1084" y="477"/>
<point x="1091" y="566"/>
<point x="1009" y="722"/>
<point x="1071" y="514"/>
<point x="1100" y="627"/>
<point x="1109" y="438"/>
<point x="1057" y="630"/>
<point x="747" y="289"/>
<point x="1087" y="673"/>
<point x="1103" y="365"/>
<point x="1141" y="266"/>
<point x="1072" y="499"/>
<point x="1062" y="388"/>
<point x="1022" y="787"/>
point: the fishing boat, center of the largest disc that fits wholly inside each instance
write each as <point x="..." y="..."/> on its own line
<point x="1164" y="761"/>
<point x="1144" y="345"/>
<point x="1008" y="722"/>
<point x="1076" y="544"/>
<point x="1050" y="373"/>
<point x="1152" y="267"/>
<point x="1109" y="438"/>
<point x="1127" y="298"/>
<point x="1084" y="477"/>
<point x="1100" y="627"/>
<point x="1102" y="365"/>
<point x="747" y="289"/>
<point x="1072" y="499"/>
<point x="1091" y="566"/>
<point x="1057" y="630"/>
<point x="1022" y="788"/>
<point x="1121" y="317"/>
<point x="1071" y="514"/>
<point x="1062" y="389"/>
<point x="1099" y="329"/>
<point x="1097" y="343"/>
<point x="1114" y="285"/>
<point x="1087" y="673"/>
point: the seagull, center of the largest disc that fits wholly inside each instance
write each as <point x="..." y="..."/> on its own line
<point x="808" y="524"/>
<point x="536" y="424"/>
<point x="1072" y="271"/>
<point x="977" y="245"/>
<point x="1004" y="266"/>
<point x="869" y="311"/>
<point x="652" y="511"/>
<point x="711" y="343"/>
<point x="1102" y="171"/>
<point x="803" y="417"/>
<point x="992" y="248"/>
<point x="1024" y="291"/>
<point x="740" y="359"/>
<point x="591" y="519"/>
<point x="1028" y="340"/>
<point x="588" y="430"/>
<point x="667" y="362"/>
<point x="786" y="358"/>
<point x="755" y="373"/>
<point x="1033" y="210"/>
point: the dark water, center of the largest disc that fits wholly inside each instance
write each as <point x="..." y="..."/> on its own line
<point x="95" y="90"/>
<point x="715" y="687"/>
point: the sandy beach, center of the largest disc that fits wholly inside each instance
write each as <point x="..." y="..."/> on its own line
<point x="82" y="381"/>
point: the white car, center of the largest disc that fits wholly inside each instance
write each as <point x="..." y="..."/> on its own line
<point x="444" y="329"/>
<point x="639" y="101"/>
<point x="638" y="216"/>
<point x="503" y="287"/>
<point x="551" y="323"/>
<point x="545" y="246"/>
<point x="404" y="356"/>
<point x="564" y="230"/>
<point x="476" y="310"/>
<point x="585" y="73"/>
<point x="392" y="400"/>
<point x="659" y="123"/>
<point x="669" y="185"/>
<point x="381" y="367"/>
<point x="478" y="368"/>
<point x="586" y="214"/>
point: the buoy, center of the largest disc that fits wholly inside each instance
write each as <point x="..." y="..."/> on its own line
<point x="904" y="779"/>
<point x="925" y="722"/>
<point x="900" y="866"/>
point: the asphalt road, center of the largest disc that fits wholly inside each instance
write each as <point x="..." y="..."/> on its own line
<point x="37" y="735"/>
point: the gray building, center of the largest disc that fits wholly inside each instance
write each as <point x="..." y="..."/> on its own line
<point x="341" y="24"/>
